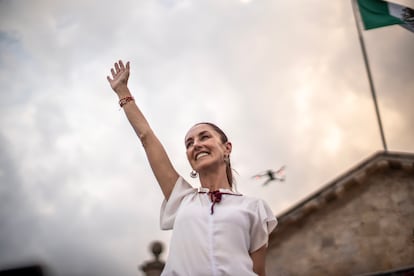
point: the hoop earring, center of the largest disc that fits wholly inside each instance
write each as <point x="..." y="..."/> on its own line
<point x="226" y="159"/>
<point x="193" y="174"/>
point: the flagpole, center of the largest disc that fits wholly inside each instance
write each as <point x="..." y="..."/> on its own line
<point x="371" y="83"/>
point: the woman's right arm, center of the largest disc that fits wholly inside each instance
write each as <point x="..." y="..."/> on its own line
<point x="158" y="159"/>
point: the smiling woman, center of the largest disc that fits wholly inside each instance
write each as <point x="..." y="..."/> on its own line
<point x="216" y="231"/>
<point x="209" y="132"/>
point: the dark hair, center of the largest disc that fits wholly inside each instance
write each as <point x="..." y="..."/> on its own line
<point x="224" y="139"/>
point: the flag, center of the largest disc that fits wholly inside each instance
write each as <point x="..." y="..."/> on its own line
<point x="378" y="13"/>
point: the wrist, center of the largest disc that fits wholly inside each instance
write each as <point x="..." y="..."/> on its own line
<point x="125" y="100"/>
<point x="122" y="91"/>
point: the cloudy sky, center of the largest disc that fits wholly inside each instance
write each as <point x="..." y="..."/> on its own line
<point x="285" y="80"/>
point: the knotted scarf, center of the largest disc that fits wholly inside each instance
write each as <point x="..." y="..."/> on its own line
<point x="216" y="196"/>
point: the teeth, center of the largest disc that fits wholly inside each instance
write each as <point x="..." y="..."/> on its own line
<point x="201" y="155"/>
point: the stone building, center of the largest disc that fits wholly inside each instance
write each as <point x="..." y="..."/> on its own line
<point x="361" y="223"/>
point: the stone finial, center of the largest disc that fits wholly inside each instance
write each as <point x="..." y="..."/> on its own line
<point x="155" y="267"/>
<point x="156" y="248"/>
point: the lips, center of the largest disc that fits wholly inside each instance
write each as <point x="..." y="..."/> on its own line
<point x="200" y="154"/>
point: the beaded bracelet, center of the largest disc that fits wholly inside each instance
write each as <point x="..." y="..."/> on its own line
<point x="125" y="100"/>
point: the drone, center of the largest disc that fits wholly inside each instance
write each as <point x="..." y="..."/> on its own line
<point x="272" y="175"/>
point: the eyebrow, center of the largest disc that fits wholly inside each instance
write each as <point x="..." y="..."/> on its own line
<point x="203" y="132"/>
<point x="199" y="134"/>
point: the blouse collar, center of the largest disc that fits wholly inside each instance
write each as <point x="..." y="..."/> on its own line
<point x="221" y="190"/>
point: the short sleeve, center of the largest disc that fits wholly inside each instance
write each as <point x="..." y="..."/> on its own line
<point x="170" y="207"/>
<point x="264" y="223"/>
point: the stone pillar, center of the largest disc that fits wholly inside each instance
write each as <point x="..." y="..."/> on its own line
<point x="155" y="267"/>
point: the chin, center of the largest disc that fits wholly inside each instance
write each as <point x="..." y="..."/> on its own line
<point x="205" y="166"/>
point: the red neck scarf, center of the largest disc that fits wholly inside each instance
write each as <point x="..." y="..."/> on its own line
<point x="216" y="196"/>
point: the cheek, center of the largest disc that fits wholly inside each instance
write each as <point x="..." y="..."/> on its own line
<point x="188" y="154"/>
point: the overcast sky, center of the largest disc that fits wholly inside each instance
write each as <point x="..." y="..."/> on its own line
<point x="284" y="79"/>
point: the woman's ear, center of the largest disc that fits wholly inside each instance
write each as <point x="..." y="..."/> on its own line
<point x="228" y="147"/>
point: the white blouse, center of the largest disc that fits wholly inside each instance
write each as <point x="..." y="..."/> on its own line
<point x="218" y="243"/>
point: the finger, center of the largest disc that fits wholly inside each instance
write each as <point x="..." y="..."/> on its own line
<point x="113" y="73"/>
<point x="127" y="65"/>
<point x="121" y="64"/>
<point x="117" y="68"/>
<point x="108" y="78"/>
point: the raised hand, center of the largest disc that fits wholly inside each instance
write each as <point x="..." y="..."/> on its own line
<point x="120" y="75"/>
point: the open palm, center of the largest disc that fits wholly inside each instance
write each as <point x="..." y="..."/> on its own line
<point x="120" y="75"/>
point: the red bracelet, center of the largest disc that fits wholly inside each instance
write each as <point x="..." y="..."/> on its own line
<point x="125" y="100"/>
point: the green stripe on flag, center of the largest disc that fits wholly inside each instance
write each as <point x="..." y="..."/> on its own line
<point x="375" y="14"/>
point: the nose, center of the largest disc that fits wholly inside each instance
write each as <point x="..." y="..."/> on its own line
<point x="196" y="144"/>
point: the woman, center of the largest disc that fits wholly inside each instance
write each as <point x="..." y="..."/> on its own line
<point x="216" y="230"/>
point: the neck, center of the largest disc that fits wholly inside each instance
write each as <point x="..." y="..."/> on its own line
<point x="214" y="180"/>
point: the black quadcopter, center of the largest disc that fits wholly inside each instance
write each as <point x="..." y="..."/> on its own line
<point x="272" y="175"/>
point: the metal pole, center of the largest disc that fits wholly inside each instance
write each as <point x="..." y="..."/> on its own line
<point x="371" y="83"/>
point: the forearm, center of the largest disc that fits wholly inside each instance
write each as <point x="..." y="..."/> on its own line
<point x="135" y="117"/>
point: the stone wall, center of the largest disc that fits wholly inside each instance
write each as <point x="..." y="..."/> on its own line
<point x="367" y="227"/>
